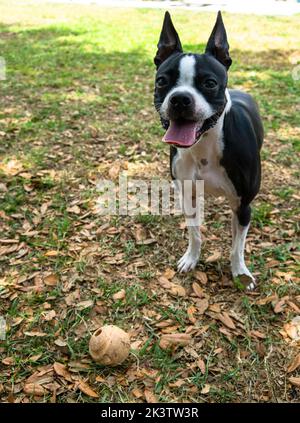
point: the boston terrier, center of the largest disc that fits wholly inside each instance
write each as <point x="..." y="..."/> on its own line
<point x="215" y="134"/>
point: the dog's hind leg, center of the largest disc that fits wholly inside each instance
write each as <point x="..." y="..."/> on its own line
<point x="189" y="260"/>
<point x="240" y="226"/>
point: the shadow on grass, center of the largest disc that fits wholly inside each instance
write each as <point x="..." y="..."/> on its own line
<point x="58" y="81"/>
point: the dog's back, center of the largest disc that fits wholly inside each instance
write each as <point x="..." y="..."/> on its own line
<point x="243" y="138"/>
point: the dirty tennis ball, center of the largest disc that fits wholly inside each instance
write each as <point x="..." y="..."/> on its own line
<point x="109" y="345"/>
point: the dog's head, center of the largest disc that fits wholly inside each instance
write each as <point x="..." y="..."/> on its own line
<point x="190" y="88"/>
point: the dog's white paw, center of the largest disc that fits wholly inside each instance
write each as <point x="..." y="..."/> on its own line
<point x="187" y="262"/>
<point x="242" y="277"/>
<point x="243" y="280"/>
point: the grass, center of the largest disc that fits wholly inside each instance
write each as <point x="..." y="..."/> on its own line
<point x="76" y="103"/>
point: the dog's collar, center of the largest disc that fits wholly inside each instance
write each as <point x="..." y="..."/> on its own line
<point x="208" y="123"/>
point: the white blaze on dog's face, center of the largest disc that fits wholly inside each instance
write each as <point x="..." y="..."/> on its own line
<point x="189" y="88"/>
<point x="184" y="90"/>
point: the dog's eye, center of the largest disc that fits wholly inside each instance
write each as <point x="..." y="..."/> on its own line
<point x="210" y="83"/>
<point x="161" y="82"/>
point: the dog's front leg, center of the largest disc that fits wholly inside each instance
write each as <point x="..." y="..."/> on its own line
<point x="190" y="207"/>
<point x="240" y="226"/>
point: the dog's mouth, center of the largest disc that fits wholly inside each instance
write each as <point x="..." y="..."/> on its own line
<point x="182" y="133"/>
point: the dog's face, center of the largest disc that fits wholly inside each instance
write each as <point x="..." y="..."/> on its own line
<point x="189" y="88"/>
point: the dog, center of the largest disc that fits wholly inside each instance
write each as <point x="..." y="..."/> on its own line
<point x="215" y="134"/>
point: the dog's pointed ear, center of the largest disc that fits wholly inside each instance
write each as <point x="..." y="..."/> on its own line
<point x="217" y="44"/>
<point x="169" y="42"/>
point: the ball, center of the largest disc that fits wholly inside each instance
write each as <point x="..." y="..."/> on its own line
<point x="109" y="345"/>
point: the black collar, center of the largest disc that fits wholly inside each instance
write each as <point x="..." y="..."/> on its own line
<point x="211" y="122"/>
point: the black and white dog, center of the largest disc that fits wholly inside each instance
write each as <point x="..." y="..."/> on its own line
<point x="215" y="133"/>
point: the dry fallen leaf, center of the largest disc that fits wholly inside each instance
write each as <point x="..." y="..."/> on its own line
<point x="60" y="343"/>
<point x="176" y="339"/>
<point x="293" y="306"/>
<point x="293" y="328"/>
<point x="49" y="315"/>
<point x="279" y="306"/>
<point x="214" y="257"/>
<point x="36" y="357"/>
<point x="178" y="290"/>
<point x="72" y="297"/>
<point x="149" y="396"/>
<point x="202" y="306"/>
<point x="201" y="277"/>
<point x="169" y="273"/>
<point x="197" y="289"/>
<point x="226" y="320"/>
<point x="74" y="209"/>
<point x="164" y="323"/>
<point x="257" y="334"/>
<point x="41" y="377"/>
<point x="8" y="250"/>
<point x="35" y="333"/>
<point x="120" y="295"/>
<point x="178" y="383"/>
<point x="34" y="389"/>
<point x="216" y="308"/>
<point x="147" y="241"/>
<point x="140" y="233"/>
<point x="190" y="312"/>
<point x="170" y="329"/>
<point x="51" y="253"/>
<point x="295" y="381"/>
<point x="82" y="305"/>
<point x="86" y="389"/>
<point x="267" y="300"/>
<point x="137" y="393"/>
<point x="117" y="259"/>
<point x="200" y="363"/>
<point x="205" y="389"/>
<point x="61" y="370"/>
<point x="136" y="344"/>
<point x="17" y="320"/>
<point x="51" y="280"/>
<point x="44" y="208"/>
<point x="164" y="282"/>
<point x="294" y="364"/>
<point x="174" y="288"/>
<point x="8" y="361"/>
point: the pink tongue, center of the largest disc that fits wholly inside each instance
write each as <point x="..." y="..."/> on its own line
<point x="183" y="133"/>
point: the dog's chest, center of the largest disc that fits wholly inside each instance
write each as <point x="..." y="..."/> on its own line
<point x="202" y="162"/>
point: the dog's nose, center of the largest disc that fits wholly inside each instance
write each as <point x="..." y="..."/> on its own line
<point x="181" y="100"/>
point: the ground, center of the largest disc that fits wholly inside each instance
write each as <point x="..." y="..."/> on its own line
<point x="77" y="107"/>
